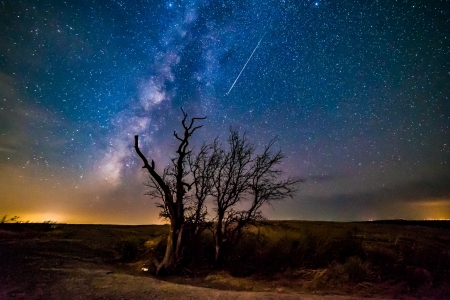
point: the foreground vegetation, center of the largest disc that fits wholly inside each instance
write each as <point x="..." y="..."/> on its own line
<point x="366" y="259"/>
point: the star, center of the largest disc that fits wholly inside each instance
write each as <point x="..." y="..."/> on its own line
<point x="348" y="90"/>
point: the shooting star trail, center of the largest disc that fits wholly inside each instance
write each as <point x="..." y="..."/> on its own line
<point x="232" y="86"/>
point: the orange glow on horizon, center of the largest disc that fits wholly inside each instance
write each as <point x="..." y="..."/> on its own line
<point x="432" y="209"/>
<point x="74" y="219"/>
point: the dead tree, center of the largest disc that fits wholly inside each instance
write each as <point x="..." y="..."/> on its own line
<point x="264" y="186"/>
<point x="172" y="193"/>
<point x="202" y="166"/>
<point x="237" y="175"/>
<point x="230" y="182"/>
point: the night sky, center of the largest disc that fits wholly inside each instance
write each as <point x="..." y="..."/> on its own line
<point x="357" y="93"/>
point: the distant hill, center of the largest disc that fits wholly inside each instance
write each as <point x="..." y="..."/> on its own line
<point x="443" y="224"/>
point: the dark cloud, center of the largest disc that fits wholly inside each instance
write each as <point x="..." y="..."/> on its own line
<point x="410" y="200"/>
<point x="421" y="190"/>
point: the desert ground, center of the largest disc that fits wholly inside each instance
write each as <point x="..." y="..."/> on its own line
<point x="62" y="261"/>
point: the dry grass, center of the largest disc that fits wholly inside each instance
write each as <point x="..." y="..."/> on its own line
<point x="344" y="258"/>
<point x="365" y="259"/>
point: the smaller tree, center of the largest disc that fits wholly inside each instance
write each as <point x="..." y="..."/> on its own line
<point x="202" y="167"/>
<point x="264" y="186"/>
<point x="236" y="175"/>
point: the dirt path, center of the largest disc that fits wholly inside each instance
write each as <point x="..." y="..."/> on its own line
<point x="102" y="284"/>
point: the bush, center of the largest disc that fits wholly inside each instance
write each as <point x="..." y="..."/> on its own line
<point x="244" y="259"/>
<point x="200" y="253"/>
<point x="384" y="260"/>
<point x="416" y="277"/>
<point x="267" y="253"/>
<point x="341" y="249"/>
<point x="128" y="250"/>
<point x="432" y="259"/>
<point x="312" y="250"/>
<point x="355" y="269"/>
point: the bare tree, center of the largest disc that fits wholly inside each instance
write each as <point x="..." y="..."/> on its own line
<point x="237" y="175"/>
<point x="230" y="181"/>
<point x="171" y="189"/>
<point x="234" y="177"/>
<point x="202" y="166"/>
<point x="264" y="186"/>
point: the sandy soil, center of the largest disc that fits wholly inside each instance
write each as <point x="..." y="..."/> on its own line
<point x="54" y="268"/>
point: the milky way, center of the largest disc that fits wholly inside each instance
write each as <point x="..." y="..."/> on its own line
<point x="357" y="94"/>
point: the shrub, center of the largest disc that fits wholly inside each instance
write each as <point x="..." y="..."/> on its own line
<point x="129" y="249"/>
<point x="244" y="259"/>
<point x="416" y="277"/>
<point x="200" y="253"/>
<point x="432" y="259"/>
<point x="312" y="250"/>
<point x="383" y="259"/>
<point x="355" y="269"/>
<point x="341" y="249"/>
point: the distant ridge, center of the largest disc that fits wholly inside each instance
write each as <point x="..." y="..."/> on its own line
<point x="443" y="224"/>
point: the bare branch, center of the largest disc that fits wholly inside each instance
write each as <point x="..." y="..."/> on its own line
<point x="138" y="151"/>
<point x="177" y="137"/>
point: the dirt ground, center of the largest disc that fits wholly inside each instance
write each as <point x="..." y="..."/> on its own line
<point x="42" y="268"/>
<point x="58" y="266"/>
<point x="81" y="262"/>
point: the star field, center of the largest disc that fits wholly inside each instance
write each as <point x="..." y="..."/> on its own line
<point x="357" y="94"/>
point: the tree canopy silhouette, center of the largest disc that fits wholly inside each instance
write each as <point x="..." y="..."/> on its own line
<point x="240" y="181"/>
<point x="232" y="179"/>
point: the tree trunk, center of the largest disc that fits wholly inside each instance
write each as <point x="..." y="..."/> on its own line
<point x="218" y="259"/>
<point x="181" y="245"/>
<point x="168" y="263"/>
<point x="174" y="249"/>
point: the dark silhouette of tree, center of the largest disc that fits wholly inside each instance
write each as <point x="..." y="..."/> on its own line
<point x="237" y="179"/>
<point x="202" y="167"/>
<point x="170" y="187"/>
<point x="238" y="175"/>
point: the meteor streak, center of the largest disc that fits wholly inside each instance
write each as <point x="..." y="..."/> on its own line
<point x="232" y="86"/>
